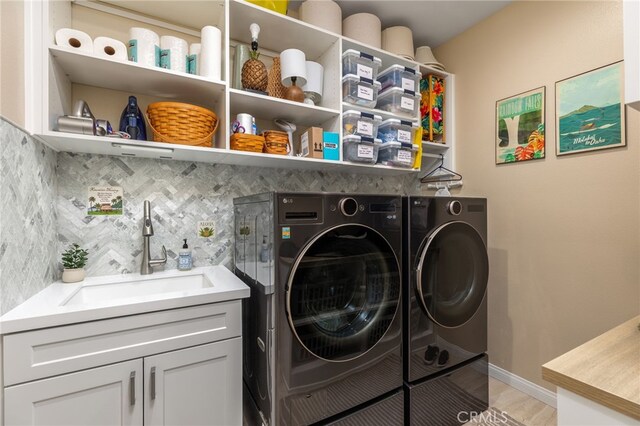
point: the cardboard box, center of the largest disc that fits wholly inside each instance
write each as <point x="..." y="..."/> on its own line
<point x="310" y="143"/>
<point x="331" y="146"/>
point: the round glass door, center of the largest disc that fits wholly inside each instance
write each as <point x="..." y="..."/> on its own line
<point x="343" y="292"/>
<point x="452" y="274"/>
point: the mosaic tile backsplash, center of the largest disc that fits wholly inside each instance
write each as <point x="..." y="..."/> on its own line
<point x="181" y="195"/>
<point x="28" y="220"/>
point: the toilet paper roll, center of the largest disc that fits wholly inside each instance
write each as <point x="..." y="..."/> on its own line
<point x="144" y="47"/>
<point x="173" y="55"/>
<point x="75" y="40"/>
<point x="211" y="53"/>
<point x="193" y="60"/>
<point x="322" y="13"/>
<point x="105" y="47"/>
<point x="363" y="27"/>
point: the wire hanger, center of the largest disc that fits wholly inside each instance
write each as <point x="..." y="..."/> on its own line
<point x="441" y="174"/>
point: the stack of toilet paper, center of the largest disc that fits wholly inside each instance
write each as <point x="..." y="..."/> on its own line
<point x="146" y="48"/>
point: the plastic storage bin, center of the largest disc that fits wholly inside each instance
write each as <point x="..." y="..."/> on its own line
<point x="399" y="76"/>
<point x="360" y="91"/>
<point x="397" y="154"/>
<point x="360" y="123"/>
<point x="360" y="64"/>
<point x="360" y="150"/>
<point x="401" y="102"/>
<point x="396" y="130"/>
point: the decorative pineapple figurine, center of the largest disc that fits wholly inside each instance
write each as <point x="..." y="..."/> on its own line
<point x="254" y="72"/>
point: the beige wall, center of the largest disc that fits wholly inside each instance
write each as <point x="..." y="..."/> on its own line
<point x="12" y="63"/>
<point x="563" y="232"/>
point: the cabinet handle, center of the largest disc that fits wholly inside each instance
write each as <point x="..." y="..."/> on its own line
<point x="132" y="388"/>
<point x="153" y="383"/>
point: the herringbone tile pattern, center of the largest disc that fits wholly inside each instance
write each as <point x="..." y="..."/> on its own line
<point x="28" y="246"/>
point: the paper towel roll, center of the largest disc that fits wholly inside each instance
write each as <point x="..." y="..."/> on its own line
<point x="211" y="53"/>
<point x="193" y="60"/>
<point x="144" y="47"/>
<point x="105" y="47"/>
<point x="74" y="39"/>
<point x="363" y="27"/>
<point x="322" y="13"/>
<point x="173" y="55"/>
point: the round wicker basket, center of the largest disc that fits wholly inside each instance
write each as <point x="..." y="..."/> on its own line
<point x="180" y="123"/>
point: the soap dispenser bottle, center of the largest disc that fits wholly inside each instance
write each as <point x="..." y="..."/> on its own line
<point x="132" y="122"/>
<point x="264" y="251"/>
<point x="185" y="261"/>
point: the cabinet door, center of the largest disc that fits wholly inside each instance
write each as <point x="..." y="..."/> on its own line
<point x="196" y="386"/>
<point x="110" y="395"/>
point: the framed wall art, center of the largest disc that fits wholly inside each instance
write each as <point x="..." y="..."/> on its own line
<point x="590" y="111"/>
<point x="520" y="127"/>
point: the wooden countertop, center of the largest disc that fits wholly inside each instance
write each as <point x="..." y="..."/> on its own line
<point x="605" y="370"/>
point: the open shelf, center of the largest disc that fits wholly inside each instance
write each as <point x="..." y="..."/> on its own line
<point x="68" y="142"/>
<point x="278" y="32"/>
<point x="131" y="77"/>
<point x="267" y="107"/>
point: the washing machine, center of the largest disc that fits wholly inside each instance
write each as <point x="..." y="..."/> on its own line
<point x="445" y="308"/>
<point x="322" y="329"/>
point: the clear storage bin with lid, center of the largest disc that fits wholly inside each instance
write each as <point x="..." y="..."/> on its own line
<point x="360" y="91"/>
<point x="358" y="149"/>
<point x="400" y="102"/>
<point x="399" y="76"/>
<point x="396" y="130"/>
<point x="397" y="154"/>
<point x="360" y="64"/>
<point x="360" y="123"/>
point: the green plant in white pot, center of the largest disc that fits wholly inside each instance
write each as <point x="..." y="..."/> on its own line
<point x="73" y="261"/>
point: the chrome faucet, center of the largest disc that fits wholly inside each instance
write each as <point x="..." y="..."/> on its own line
<point x="147" y="231"/>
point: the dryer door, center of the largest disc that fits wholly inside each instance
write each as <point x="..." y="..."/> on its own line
<point x="452" y="274"/>
<point x="343" y="292"/>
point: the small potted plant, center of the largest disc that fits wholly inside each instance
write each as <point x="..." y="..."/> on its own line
<point x="73" y="261"/>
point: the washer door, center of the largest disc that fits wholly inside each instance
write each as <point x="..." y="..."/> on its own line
<point x="343" y="292"/>
<point x="452" y="274"/>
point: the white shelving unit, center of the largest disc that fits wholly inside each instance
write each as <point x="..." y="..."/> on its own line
<point x="66" y="75"/>
<point x="631" y="14"/>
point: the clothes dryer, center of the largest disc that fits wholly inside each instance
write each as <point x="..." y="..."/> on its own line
<point x="323" y="325"/>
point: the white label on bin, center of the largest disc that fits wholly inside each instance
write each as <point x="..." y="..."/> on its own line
<point x="365" y="151"/>
<point x="365" y="128"/>
<point x="404" y="156"/>
<point x="365" y="71"/>
<point x="408" y="84"/>
<point x="407" y="103"/>
<point x="366" y="93"/>
<point x="404" y="136"/>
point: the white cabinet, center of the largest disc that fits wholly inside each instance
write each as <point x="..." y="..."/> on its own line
<point x="631" y="11"/>
<point x="67" y="76"/>
<point x="195" y="386"/>
<point x="110" y="395"/>
<point x="176" y="367"/>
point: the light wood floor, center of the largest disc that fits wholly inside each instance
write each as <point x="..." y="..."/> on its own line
<point x="519" y="405"/>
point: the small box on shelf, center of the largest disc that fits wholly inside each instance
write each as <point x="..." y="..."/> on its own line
<point x="331" y="146"/>
<point x="310" y="143"/>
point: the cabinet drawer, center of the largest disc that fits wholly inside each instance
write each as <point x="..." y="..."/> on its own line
<point x="42" y="353"/>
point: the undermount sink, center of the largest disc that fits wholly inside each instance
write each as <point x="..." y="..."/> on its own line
<point x="103" y="292"/>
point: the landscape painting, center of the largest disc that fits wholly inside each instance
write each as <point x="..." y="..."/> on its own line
<point x="520" y="127"/>
<point x="590" y="111"/>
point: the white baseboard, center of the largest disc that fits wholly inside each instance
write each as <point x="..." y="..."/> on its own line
<point x="523" y="385"/>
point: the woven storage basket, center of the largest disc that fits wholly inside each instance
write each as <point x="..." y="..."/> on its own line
<point x="247" y="142"/>
<point x="185" y="124"/>
<point x="276" y="142"/>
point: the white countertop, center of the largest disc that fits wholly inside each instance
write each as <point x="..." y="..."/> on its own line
<point x="48" y="308"/>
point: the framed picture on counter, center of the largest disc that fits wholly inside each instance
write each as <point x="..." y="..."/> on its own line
<point x="520" y="127"/>
<point x="590" y="111"/>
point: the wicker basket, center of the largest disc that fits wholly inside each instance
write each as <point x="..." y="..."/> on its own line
<point x="185" y="124"/>
<point x="276" y="142"/>
<point x="247" y="142"/>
